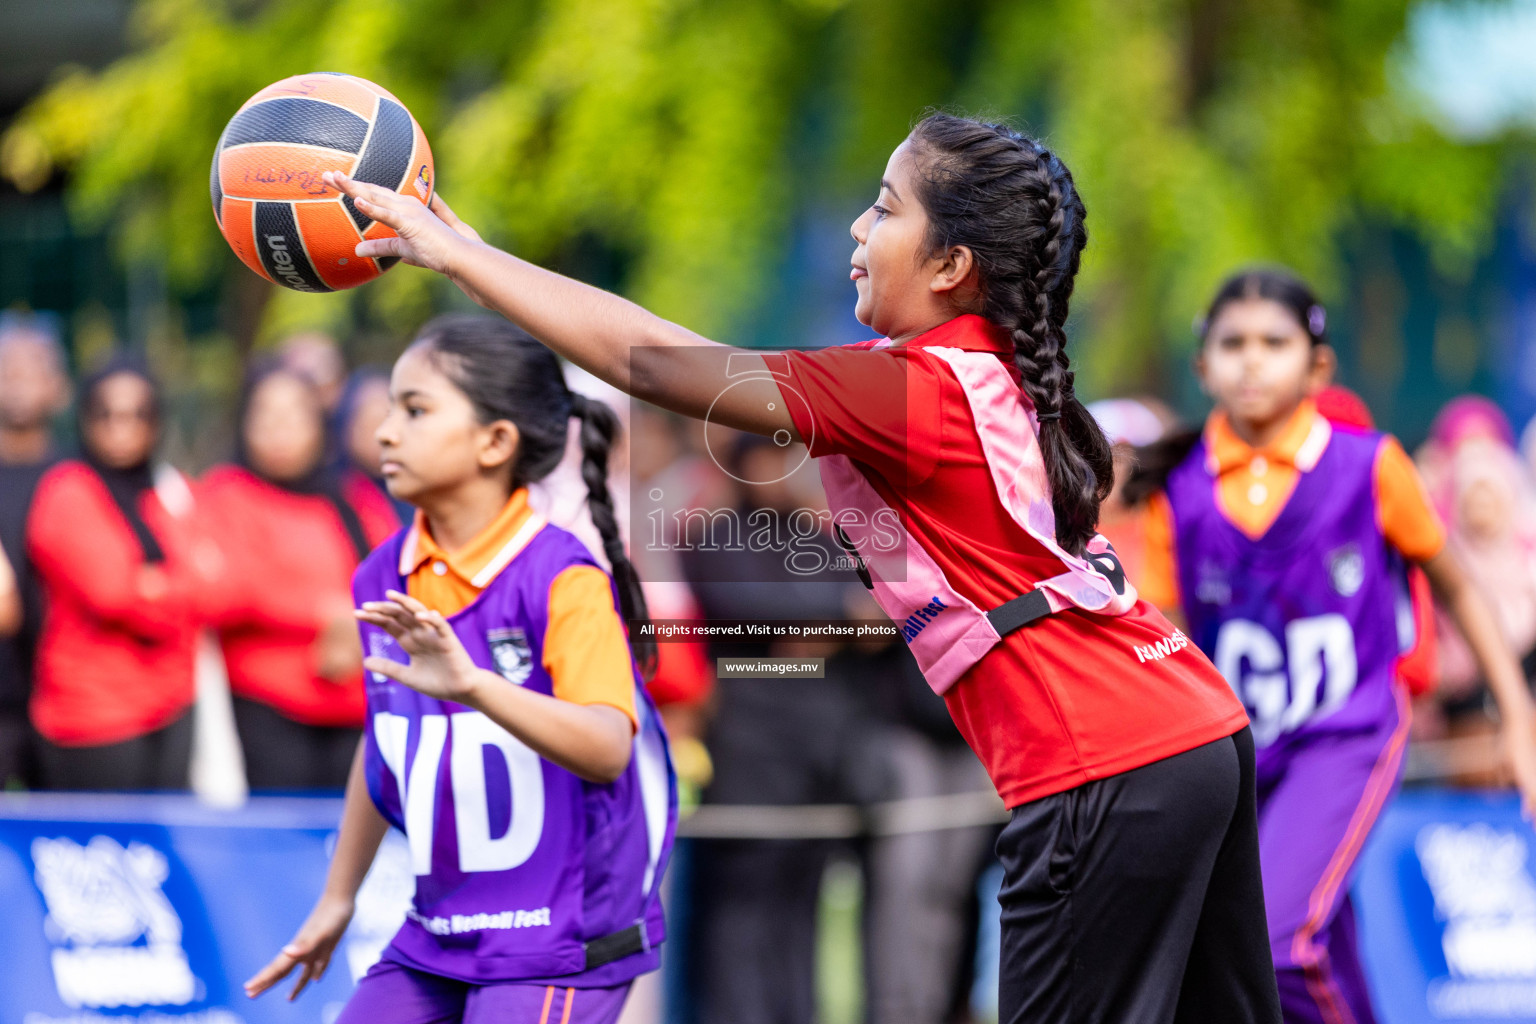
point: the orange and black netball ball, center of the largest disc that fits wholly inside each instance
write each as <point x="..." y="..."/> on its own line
<point x="281" y="219"/>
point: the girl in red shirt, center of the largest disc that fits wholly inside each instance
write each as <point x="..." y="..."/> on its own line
<point x="291" y="532"/>
<point x="1131" y="885"/>
<point x="110" y="535"/>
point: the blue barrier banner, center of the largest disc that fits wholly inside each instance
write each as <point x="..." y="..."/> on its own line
<point x="156" y="908"/>
<point x="1447" y="904"/>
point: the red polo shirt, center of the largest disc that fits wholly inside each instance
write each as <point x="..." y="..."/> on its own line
<point x="114" y="660"/>
<point x="1066" y="699"/>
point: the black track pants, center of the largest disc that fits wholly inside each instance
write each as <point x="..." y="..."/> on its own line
<point x="1136" y="899"/>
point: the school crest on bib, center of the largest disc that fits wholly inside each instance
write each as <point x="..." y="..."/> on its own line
<point x="1346" y="568"/>
<point x="511" y="653"/>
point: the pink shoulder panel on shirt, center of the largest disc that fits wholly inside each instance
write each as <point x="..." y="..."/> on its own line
<point x="946" y="631"/>
<point x="1007" y="427"/>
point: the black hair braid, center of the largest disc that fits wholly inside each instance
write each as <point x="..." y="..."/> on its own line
<point x="1037" y="340"/>
<point x="599" y="428"/>
<point x="508" y="375"/>
<point x="1078" y="459"/>
<point x="1014" y="204"/>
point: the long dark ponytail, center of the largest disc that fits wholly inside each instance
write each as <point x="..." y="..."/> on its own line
<point x="1013" y="203"/>
<point x="1156" y="461"/>
<point x="508" y="375"/>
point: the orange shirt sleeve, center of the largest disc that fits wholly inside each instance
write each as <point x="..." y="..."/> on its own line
<point x="1404" y="514"/>
<point x="1159" y="580"/>
<point x="585" y="650"/>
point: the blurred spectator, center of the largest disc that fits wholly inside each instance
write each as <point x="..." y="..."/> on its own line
<point x="1129" y="423"/>
<point x="869" y="731"/>
<point x="33" y="391"/>
<point x="1468" y="418"/>
<point x="684" y="677"/>
<point x="316" y="356"/>
<point x="110" y="537"/>
<point x="1528" y="447"/>
<point x="291" y="532"/>
<point x="1485" y="496"/>
<point x="774" y="742"/>
<point x="1491" y="521"/>
<point x="364" y="404"/>
<point x="919" y="886"/>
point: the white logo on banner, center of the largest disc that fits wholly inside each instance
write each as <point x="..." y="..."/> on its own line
<point x="381" y="904"/>
<point x="1487" y="899"/>
<point x="102" y="901"/>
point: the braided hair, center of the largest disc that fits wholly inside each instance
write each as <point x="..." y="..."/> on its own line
<point x="1013" y="203"/>
<point x="508" y="375"/>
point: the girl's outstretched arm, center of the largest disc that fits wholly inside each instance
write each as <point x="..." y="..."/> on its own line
<point x="1505" y="680"/>
<point x="362" y="830"/>
<point x="615" y="339"/>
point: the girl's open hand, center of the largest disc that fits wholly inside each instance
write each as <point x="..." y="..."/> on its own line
<point x="425" y="236"/>
<point x="439" y="667"/>
<point x="311" y="947"/>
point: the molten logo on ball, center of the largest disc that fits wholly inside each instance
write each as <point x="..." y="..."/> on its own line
<point x="276" y="244"/>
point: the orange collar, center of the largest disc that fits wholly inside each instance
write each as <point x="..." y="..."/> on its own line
<point x="1300" y="444"/>
<point x="477" y="562"/>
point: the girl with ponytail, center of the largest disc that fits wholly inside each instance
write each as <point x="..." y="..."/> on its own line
<point x="1286" y="541"/>
<point x="1131" y="886"/>
<point x="509" y="734"/>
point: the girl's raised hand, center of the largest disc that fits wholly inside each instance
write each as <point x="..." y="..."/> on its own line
<point x="439" y="667"/>
<point x="425" y="237"/>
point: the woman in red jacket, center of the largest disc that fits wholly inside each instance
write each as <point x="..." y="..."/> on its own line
<point x="110" y="537"/>
<point x="291" y="533"/>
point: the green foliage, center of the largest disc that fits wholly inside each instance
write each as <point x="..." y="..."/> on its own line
<point x="684" y="136"/>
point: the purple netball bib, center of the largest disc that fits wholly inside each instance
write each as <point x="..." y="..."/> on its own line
<point x="1302" y="621"/>
<point x="519" y="863"/>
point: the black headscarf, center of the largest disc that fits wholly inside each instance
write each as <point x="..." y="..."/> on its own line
<point x="125" y="485"/>
<point x="322" y="479"/>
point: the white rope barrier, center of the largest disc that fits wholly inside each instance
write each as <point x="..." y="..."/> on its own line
<point x="844" y="821"/>
<point x="1428" y="761"/>
<point x="1436" y="760"/>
